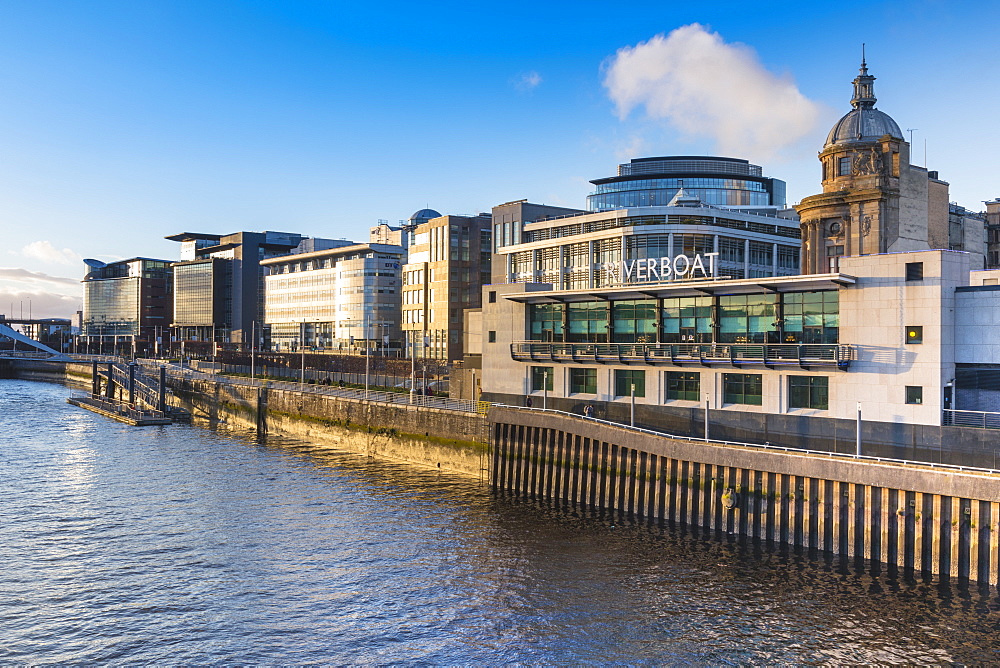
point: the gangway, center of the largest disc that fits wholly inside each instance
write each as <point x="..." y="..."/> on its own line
<point x="123" y="392"/>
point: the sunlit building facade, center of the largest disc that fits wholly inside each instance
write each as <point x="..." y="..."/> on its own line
<point x="345" y="299"/>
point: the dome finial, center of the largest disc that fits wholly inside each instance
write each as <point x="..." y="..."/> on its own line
<point x="864" y="86"/>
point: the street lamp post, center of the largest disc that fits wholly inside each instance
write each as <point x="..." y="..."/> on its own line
<point x="302" y="349"/>
<point x="545" y="391"/>
<point x="632" y="412"/>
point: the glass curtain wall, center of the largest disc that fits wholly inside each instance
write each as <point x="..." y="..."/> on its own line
<point x="634" y="321"/>
<point x="794" y="317"/>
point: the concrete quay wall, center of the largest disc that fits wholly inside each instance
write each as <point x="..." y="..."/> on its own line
<point x="914" y="517"/>
<point x="448" y="440"/>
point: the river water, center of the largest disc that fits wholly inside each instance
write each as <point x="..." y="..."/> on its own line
<point x="180" y="544"/>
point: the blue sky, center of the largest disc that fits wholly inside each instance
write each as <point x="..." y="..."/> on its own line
<point x="122" y="122"/>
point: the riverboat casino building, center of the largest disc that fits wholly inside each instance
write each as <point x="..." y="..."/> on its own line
<point x="654" y="312"/>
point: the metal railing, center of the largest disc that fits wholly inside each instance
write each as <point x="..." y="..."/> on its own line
<point x="735" y="354"/>
<point x="765" y="446"/>
<point x="122" y="408"/>
<point x="403" y="398"/>
<point x="978" y="419"/>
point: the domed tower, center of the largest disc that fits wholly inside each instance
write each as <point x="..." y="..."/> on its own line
<point x="873" y="200"/>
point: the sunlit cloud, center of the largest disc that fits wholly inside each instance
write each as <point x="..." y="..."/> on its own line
<point x="706" y="88"/>
<point x="46" y="252"/>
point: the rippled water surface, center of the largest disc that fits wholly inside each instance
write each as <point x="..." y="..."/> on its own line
<point x="184" y="545"/>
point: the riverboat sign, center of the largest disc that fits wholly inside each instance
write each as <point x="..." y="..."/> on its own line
<point x="677" y="268"/>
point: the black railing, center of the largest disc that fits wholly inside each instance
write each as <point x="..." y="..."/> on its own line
<point x="706" y="354"/>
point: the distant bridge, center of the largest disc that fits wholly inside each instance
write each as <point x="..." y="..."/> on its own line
<point x="41" y="351"/>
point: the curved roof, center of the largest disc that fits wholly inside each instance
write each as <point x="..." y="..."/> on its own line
<point x="424" y="215"/>
<point x="864" y="124"/>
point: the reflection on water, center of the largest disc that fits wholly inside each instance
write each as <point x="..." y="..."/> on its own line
<point x="180" y="544"/>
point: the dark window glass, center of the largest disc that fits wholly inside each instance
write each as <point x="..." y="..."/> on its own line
<point x="625" y="378"/>
<point x="492" y="337"/>
<point x="809" y="392"/>
<point x="493" y="296"/>
<point x="914" y="271"/>
<point x="914" y="394"/>
<point x="541" y="378"/>
<point x="583" y="381"/>
<point x="742" y="388"/>
<point x="684" y="385"/>
<point x="546" y="322"/>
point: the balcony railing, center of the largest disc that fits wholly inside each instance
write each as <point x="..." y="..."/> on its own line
<point x="705" y="354"/>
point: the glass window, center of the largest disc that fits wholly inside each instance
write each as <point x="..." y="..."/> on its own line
<point x="588" y="322"/>
<point x="742" y="388"/>
<point x="748" y="319"/>
<point x="684" y="385"/>
<point x="811" y="317"/>
<point x="844" y="167"/>
<point x="541" y="378"/>
<point x="546" y="322"/>
<point x="687" y="320"/>
<point x="634" y="321"/>
<point x="583" y="381"/>
<point x="625" y="378"/>
<point x="491" y="337"/>
<point x="809" y="392"/>
<point x="914" y="394"/>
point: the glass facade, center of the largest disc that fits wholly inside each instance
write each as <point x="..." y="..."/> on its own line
<point x="111" y="307"/>
<point x="811" y="317"/>
<point x="588" y="322"/>
<point x="195" y="282"/>
<point x="715" y="181"/>
<point x="790" y="317"/>
<point x="742" y="388"/>
<point x="634" y="321"/>
<point x="687" y="320"/>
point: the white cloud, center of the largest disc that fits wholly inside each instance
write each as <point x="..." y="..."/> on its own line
<point x="46" y="252"/>
<point x="704" y="87"/>
<point x="42" y="295"/>
<point x="527" y="81"/>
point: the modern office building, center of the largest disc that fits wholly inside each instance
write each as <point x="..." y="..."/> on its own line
<point x="127" y="305"/>
<point x="447" y="265"/>
<point x="722" y="182"/>
<point x="911" y="336"/>
<point x="601" y="249"/>
<point x="873" y="199"/>
<point x="220" y="282"/>
<point x="345" y="299"/>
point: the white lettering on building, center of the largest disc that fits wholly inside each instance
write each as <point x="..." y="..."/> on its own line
<point x="663" y="269"/>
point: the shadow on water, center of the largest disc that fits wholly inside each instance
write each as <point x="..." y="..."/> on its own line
<point x="779" y="598"/>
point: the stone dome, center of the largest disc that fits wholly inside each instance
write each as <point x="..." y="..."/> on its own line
<point x="863" y="125"/>
<point x="864" y="122"/>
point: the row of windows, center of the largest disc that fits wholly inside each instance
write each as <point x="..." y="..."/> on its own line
<point x="687" y="183"/>
<point x="574" y="229"/>
<point x="737" y="388"/>
<point x="793" y="317"/>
